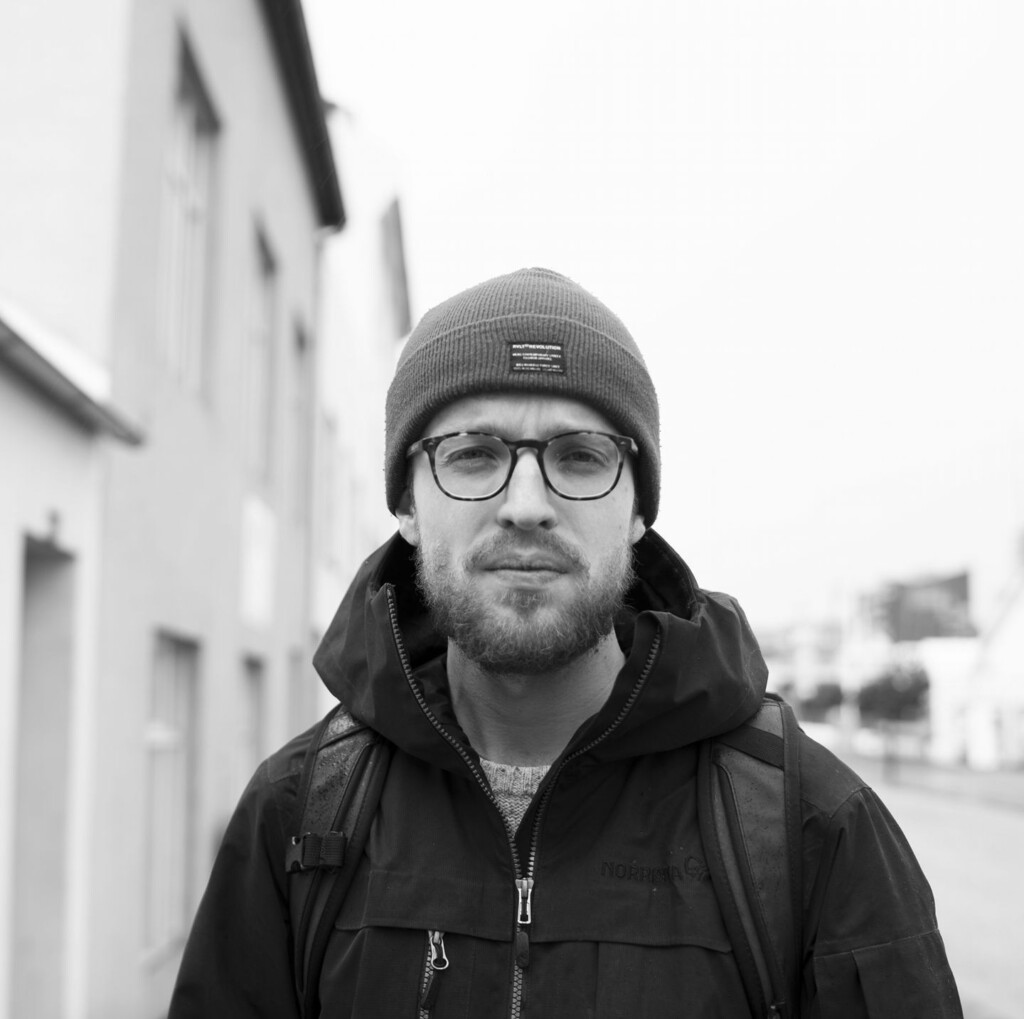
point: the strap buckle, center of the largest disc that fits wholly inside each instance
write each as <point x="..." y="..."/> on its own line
<point x="312" y="850"/>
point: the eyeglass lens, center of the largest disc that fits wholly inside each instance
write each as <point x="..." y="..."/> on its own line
<point x="579" y="465"/>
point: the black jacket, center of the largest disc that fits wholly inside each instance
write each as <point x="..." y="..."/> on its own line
<point x="625" y="920"/>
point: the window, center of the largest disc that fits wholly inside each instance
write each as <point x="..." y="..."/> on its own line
<point x="302" y="424"/>
<point x="186" y="227"/>
<point x="328" y="507"/>
<point x="260" y="362"/>
<point x="251" y="719"/>
<point x="396" y="284"/>
<point x="170" y="740"/>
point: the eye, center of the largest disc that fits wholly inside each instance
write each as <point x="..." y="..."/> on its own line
<point x="582" y="454"/>
<point x="467" y="454"/>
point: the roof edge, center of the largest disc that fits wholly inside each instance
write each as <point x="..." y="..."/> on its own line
<point x="286" y="25"/>
<point x="75" y="384"/>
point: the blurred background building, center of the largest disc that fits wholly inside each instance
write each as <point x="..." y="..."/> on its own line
<point x="181" y="494"/>
<point x="365" y="302"/>
<point x="907" y="671"/>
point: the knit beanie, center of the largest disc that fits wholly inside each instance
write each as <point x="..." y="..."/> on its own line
<point x="531" y="331"/>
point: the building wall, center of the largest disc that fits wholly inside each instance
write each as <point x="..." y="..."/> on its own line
<point x="364" y="317"/>
<point x="63" y="66"/>
<point x="195" y="538"/>
<point x="189" y="561"/>
<point x="62" y="78"/>
<point x="996" y="704"/>
<point x="949" y="662"/>
<point x="51" y="470"/>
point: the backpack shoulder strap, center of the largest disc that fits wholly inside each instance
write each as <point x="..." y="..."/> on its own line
<point x="749" y="815"/>
<point x="342" y="777"/>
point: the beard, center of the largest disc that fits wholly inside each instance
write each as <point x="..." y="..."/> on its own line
<point x="524" y="631"/>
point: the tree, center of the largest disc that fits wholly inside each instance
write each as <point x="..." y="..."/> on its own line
<point x="826" y="697"/>
<point x="900" y="694"/>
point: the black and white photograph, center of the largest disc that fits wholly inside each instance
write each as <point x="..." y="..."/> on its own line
<point x="511" y="511"/>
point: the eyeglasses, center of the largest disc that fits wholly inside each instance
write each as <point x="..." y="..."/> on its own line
<point x="473" y="466"/>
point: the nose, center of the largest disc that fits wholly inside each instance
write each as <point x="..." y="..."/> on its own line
<point x="527" y="502"/>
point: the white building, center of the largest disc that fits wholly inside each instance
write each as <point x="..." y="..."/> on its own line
<point x="166" y="181"/>
<point x="978" y="698"/>
<point x="57" y="418"/>
<point x="976" y="681"/>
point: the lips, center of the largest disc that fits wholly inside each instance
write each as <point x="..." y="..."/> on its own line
<point x="545" y="554"/>
<point x="527" y="564"/>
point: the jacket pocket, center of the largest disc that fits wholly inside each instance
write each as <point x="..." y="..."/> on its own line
<point x="373" y="971"/>
<point x="674" y="980"/>
<point x="619" y="980"/>
<point x="908" y="978"/>
<point x="381" y="972"/>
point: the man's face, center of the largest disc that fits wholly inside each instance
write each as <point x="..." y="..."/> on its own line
<point x="525" y="581"/>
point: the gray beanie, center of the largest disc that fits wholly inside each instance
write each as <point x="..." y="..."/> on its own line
<point x="530" y="331"/>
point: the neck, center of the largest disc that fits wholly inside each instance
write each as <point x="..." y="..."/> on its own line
<point x="528" y="719"/>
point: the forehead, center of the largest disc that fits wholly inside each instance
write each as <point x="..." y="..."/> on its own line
<point x="517" y="415"/>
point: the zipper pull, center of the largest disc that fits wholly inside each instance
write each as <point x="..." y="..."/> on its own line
<point x="522" y="948"/>
<point x="437" y="964"/>
<point x="524" y="917"/>
<point x="438" y="959"/>
<point x="524" y="892"/>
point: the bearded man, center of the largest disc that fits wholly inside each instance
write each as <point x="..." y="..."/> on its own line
<point x="546" y="670"/>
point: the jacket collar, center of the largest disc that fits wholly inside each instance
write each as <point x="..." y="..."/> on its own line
<point x="693" y="667"/>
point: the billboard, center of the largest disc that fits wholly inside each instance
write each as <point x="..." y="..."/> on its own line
<point x="930" y="607"/>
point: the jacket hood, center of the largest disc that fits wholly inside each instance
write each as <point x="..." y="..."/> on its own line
<point x="693" y="667"/>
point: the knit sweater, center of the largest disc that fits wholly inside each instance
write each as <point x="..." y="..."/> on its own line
<point x="513" y="786"/>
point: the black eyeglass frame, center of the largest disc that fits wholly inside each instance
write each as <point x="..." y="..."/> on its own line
<point x="623" y="444"/>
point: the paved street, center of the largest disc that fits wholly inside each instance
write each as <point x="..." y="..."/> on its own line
<point x="972" y="853"/>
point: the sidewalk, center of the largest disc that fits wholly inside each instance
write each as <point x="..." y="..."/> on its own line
<point x="1000" y="788"/>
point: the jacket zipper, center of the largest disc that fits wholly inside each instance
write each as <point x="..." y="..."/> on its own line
<point x="437" y="963"/>
<point x="522" y="938"/>
<point x="524" y="884"/>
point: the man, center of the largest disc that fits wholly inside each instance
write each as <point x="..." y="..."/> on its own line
<point x="546" y="669"/>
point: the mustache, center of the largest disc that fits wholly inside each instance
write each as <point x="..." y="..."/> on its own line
<point x="515" y="545"/>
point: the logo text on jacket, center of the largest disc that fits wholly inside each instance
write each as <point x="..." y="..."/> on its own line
<point x="693" y="869"/>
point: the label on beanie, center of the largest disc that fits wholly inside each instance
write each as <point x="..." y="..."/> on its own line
<point x="537" y="357"/>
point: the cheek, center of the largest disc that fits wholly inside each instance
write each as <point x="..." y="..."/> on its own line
<point x="447" y="525"/>
<point x="605" y="546"/>
<point x="433" y="558"/>
<point x="631" y="521"/>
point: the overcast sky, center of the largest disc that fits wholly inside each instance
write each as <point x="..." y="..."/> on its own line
<point x="811" y="217"/>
